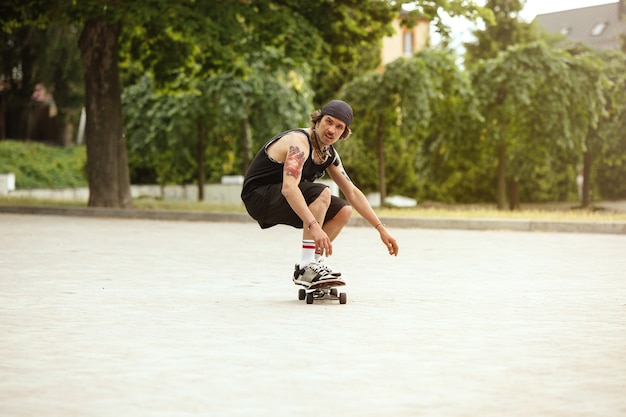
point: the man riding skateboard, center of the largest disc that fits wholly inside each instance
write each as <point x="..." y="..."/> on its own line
<point x="280" y="188"/>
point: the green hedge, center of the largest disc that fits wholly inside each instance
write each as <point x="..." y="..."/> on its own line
<point x="36" y="165"/>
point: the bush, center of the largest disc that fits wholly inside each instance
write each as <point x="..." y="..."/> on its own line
<point x="36" y="165"/>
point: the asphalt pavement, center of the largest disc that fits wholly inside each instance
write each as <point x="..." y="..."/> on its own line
<point x="110" y="316"/>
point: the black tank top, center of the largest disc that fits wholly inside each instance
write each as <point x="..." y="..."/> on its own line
<point x="264" y="170"/>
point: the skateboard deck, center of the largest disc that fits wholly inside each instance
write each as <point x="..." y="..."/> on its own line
<point x="327" y="283"/>
<point x="323" y="290"/>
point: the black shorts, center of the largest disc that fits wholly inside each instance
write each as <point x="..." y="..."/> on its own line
<point x="269" y="207"/>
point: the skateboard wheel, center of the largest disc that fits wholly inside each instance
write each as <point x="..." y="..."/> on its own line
<point x="301" y="294"/>
<point x="309" y="298"/>
<point x="333" y="292"/>
<point x="343" y="298"/>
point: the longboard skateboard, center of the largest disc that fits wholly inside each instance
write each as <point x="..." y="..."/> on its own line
<point x="324" y="290"/>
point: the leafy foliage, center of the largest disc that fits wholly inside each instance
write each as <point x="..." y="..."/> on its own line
<point x="162" y="125"/>
<point x="40" y="166"/>
<point x="421" y="107"/>
<point x="216" y="79"/>
<point x="538" y="102"/>
<point x="504" y="30"/>
<point x="608" y="140"/>
<point x="30" y="55"/>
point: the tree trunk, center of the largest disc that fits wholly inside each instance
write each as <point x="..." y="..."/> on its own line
<point x="502" y="176"/>
<point x="245" y="145"/>
<point x="200" y="160"/>
<point x="3" y="130"/>
<point x="586" y="200"/>
<point x="514" y="203"/>
<point x="107" y="163"/>
<point x="18" y="110"/>
<point x="381" y="159"/>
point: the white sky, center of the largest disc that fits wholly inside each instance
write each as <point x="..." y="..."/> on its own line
<point x="461" y="28"/>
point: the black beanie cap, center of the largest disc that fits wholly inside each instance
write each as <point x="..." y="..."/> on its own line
<point x="339" y="109"/>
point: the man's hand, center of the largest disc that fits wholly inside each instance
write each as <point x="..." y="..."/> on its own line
<point x="389" y="241"/>
<point x="323" y="244"/>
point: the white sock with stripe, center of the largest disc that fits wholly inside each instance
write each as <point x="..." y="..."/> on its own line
<point x="308" y="253"/>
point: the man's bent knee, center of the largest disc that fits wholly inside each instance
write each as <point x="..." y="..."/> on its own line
<point x="344" y="215"/>
<point x="323" y="198"/>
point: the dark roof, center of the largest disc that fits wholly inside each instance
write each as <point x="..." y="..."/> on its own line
<point x="597" y="26"/>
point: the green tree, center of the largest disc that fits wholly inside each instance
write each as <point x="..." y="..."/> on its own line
<point x="534" y="99"/>
<point x="195" y="39"/>
<point x="416" y="109"/>
<point x="506" y="29"/>
<point x="171" y="135"/>
<point x="175" y="38"/>
<point x="249" y="99"/>
<point x="448" y="162"/>
<point x="30" y="55"/>
<point x="353" y="31"/>
<point x="604" y="152"/>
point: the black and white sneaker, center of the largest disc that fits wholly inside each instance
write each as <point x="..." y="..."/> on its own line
<point x="312" y="273"/>
<point x="322" y="262"/>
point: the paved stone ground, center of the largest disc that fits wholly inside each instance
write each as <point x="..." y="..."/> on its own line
<point x="119" y="317"/>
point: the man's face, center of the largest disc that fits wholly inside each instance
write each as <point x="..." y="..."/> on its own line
<point x="329" y="129"/>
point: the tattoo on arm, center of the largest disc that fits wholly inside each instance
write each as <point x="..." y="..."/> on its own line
<point x="343" y="171"/>
<point x="338" y="164"/>
<point x="294" y="162"/>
